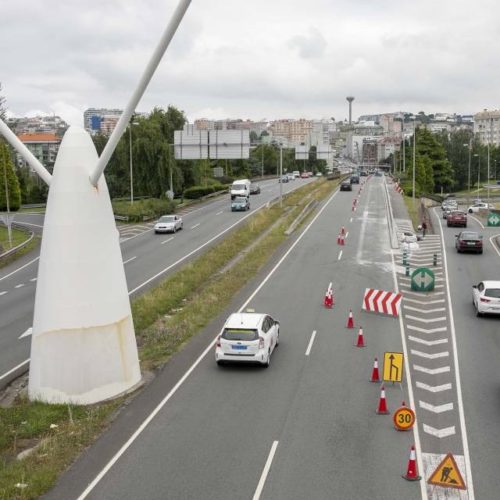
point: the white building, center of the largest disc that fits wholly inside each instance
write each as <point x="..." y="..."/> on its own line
<point x="487" y="127"/>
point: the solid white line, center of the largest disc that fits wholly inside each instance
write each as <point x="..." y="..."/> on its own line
<point x="340" y="255"/>
<point x="130" y="260"/>
<point x="27" y="333"/>
<point x="431" y="371"/>
<point x="433" y="388"/>
<point x="146" y="422"/>
<point x="2" y="293"/>
<point x="468" y="468"/>
<point x="265" y="472"/>
<point x="28" y="224"/>
<point x="493" y="244"/>
<point x="218" y="213"/>
<point x="311" y="343"/>
<point x="5" y="375"/>
<point x="19" y="286"/>
<point x="477" y="220"/>
<point x="195" y="226"/>
<point x="22" y="267"/>
<point x="167" y="240"/>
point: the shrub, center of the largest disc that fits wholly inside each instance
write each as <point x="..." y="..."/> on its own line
<point x="150" y="208"/>
<point x="196" y="192"/>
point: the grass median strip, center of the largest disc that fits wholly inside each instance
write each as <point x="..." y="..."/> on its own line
<point x="165" y="319"/>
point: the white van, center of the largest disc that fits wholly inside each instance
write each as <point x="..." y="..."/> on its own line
<point x="296" y="174"/>
<point x="240" y="188"/>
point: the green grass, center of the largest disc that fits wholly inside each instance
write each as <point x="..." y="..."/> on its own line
<point x="18" y="237"/>
<point x="413" y="211"/>
<point x="26" y="249"/>
<point x="165" y="318"/>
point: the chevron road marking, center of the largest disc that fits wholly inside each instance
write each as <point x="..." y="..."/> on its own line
<point x="428" y="342"/>
<point x="425" y="311"/>
<point x="430" y="320"/>
<point x="419" y="294"/>
<point x="443" y="354"/>
<point x="427" y="330"/>
<point x="439" y="433"/>
<point x="425" y="302"/>
<point x="404" y="285"/>
<point x="433" y="388"/>
<point x="437" y="408"/>
<point x="431" y="371"/>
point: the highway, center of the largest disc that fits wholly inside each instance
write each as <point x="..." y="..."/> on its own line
<point x="202" y="431"/>
<point x="147" y="257"/>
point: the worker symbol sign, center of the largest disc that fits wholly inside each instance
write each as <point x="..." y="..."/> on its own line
<point x="393" y="366"/>
<point x="447" y="474"/>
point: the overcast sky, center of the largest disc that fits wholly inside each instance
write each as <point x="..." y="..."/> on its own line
<point x="252" y="59"/>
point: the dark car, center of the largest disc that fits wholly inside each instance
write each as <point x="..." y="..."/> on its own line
<point x="469" y="241"/>
<point x="363" y="173"/>
<point x="283" y="179"/>
<point x="346" y="186"/>
<point x="456" y="218"/>
<point x="254" y="189"/>
<point x="240" y="203"/>
<point x="354" y="179"/>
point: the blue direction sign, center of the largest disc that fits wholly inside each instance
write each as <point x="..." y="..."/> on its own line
<point x="422" y="280"/>
<point x="494" y="219"/>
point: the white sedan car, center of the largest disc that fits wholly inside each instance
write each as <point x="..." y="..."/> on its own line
<point x="247" y="338"/>
<point x="479" y="206"/>
<point x="168" y="224"/>
<point x="486" y="297"/>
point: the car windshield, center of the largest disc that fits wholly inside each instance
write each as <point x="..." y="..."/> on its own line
<point x="240" y="334"/>
<point x="492" y="292"/>
<point x="240" y="199"/>
<point x="167" y="218"/>
<point x="239" y="186"/>
<point x="469" y="236"/>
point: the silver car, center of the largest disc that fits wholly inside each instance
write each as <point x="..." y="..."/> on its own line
<point x="168" y="224"/>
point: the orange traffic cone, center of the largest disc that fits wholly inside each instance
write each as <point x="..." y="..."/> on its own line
<point x="342" y="240"/>
<point x="382" y="403"/>
<point x="361" y="341"/>
<point x="350" y="320"/>
<point x="328" y="301"/>
<point x="338" y="239"/>
<point x="411" y="470"/>
<point x="375" y="374"/>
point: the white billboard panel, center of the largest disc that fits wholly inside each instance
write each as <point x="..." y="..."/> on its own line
<point x="191" y="144"/>
<point x="229" y="144"/>
<point x="323" y="152"/>
<point x="302" y="152"/>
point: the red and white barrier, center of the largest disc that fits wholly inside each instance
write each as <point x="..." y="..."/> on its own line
<point x="382" y="302"/>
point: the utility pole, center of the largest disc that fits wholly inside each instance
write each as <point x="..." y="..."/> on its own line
<point x="281" y="175"/>
<point x="9" y="228"/>
<point x="414" y="151"/>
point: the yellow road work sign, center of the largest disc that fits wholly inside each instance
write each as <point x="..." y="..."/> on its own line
<point x="447" y="474"/>
<point x="393" y="366"/>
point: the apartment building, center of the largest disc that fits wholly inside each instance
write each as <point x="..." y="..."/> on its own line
<point x="43" y="146"/>
<point x="100" y="120"/>
<point x="487" y="127"/>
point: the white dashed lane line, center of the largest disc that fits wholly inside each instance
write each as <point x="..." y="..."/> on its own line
<point x="195" y="226"/>
<point x="130" y="260"/>
<point x="2" y="293"/>
<point x="19" y="286"/>
<point x="169" y="239"/>
<point x="218" y="213"/>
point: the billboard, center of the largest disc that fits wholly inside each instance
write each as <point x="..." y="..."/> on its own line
<point x="302" y="152"/>
<point x="323" y="152"/>
<point x="191" y="144"/>
<point x="229" y="144"/>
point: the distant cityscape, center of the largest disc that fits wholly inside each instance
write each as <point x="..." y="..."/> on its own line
<point x="370" y="140"/>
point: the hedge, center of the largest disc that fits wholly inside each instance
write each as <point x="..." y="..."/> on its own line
<point x="195" y="192"/>
<point x="142" y="210"/>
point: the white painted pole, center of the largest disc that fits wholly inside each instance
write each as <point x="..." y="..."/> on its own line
<point x="14" y="141"/>
<point x="136" y="96"/>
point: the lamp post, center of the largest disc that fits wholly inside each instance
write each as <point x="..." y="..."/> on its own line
<point x="262" y="160"/>
<point x="476" y="155"/>
<point x="281" y="174"/>
<point x="414" y="148"/>
<point x="9" y="229"/>
<point x="130" y="160"/>
<point x="469" y="146"/>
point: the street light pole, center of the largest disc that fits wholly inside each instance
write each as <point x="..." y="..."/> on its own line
<point x="281" y="174"/>
<point x="9" y="229"/>
<point x="262" y="158"/>
<point x="414" y="148"/>
<point x="468" y="178"/>
<point x="490" y="138"/>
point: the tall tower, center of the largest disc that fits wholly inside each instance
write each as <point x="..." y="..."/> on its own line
<point x="350" y="99"/>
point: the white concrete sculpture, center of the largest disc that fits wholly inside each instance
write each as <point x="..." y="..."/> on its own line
<point x="83" y="347"/>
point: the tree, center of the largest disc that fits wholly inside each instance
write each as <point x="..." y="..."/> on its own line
<point x="8" y="181"/>
<point x="2" y="104"/>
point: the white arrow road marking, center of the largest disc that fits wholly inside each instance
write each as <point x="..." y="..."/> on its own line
<point x="27" y="333"/>
<point x="424" y="302"/>
<point x="2" y="293"/>
<point x="424" y="311"/>
<point x="19" y="286"/>
<point x="436" y="355"/>
<point x="431" y="371"/>
<point x="439" y="433"/>
<point x="433" y="388"/>
<point x="428" y="342"/>
<point x="423" y="320"/>
<point x="436" y="409"/>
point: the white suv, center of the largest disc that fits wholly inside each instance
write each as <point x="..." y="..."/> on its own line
<point x="248" y="338"/>
<point x="486" y="297"/>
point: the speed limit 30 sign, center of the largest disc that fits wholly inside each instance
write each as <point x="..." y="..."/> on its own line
<point x="404" y="418"/>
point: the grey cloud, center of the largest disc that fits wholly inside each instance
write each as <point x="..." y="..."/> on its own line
<point x="310" y="46"/>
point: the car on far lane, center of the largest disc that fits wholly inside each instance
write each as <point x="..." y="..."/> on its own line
<point x="346" y="185"/>
<point x="456" y="218"/>
<point x="304" y="175"/>
<point x="486" y="297"/>
<point x="479" y="206"/>
<point x="354" y="179"/>
<point x="168" y="224"/>
<point x="254" y="189"/>
<point x="469" y="241"/>
<point x="248" y="337"/>
<point x="283" y="179"/>
<point x="240" y="203"/>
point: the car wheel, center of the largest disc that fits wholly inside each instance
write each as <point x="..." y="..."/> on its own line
<point x="278" y="339"/>
<point x="471" y="211"/>
<point x="478" y="314"/>
<point x="267" y="362"/>
<point x="219" y="362"/>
